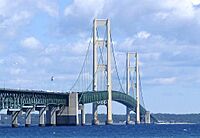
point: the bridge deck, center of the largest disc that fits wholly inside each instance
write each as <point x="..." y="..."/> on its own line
<point x="16" y="99"/>
<point x="90" y="97"/>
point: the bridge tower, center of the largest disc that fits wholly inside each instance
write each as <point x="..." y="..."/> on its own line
<point x="96" y="44"/>
<point x="131" y="69"/>
<point x="128" y="71"/>
<point x="137" y="90"/>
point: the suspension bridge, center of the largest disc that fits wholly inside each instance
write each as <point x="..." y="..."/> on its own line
<point x="98" y="83"/>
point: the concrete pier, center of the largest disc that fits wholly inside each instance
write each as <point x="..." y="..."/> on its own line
<point x="41" y="110"/>
<point x="14" y="113"/>
<point x="27" y="110"/>
<point x="95" y="120"/>
<point x="73" y="109"/>
<point x="68" y="115"/>
<point x="51" y="115"/>
<point x="128" y="117"/>
<point x="147" y="117"/>
<point x="82" y="115"/>
<point x="28" y="118"/>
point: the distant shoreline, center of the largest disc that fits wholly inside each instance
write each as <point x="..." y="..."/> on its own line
<point x="120" y="119"/>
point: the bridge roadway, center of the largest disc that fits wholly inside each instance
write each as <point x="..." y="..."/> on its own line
<point x="120" y="97"/>
<point x="127" y="100"/>
<point x="18" y="100"/>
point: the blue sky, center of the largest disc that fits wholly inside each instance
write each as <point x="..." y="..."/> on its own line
<point x="40" y="39"/>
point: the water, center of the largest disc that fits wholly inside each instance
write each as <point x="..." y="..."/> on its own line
<point x="139" y="131"/>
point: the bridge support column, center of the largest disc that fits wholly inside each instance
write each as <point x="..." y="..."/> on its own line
<point x="128" y="117"/>
<point x="14" y="114"/>
<point x="109" y="76"/>
<point x="68" y="115"/>
<point x="73" y="109"/>
<point x="28" y="110"/>
<point x="95" y="120"/>
<point x="147" y="117"/>
<point x="41" y="110"/>
<point x="129" y="83"/>
<point x="51" y="115"/>
<point x="41" y="117"/>
<point x="82" y="115"/>
<point x="128" y="86"/>
<point x="95" y="74"/>
<point x="28" y="118"/>
<point x="137" y="91"/>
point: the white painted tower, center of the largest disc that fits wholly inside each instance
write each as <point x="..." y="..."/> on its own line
<point x="137" y="90"/>
<point x="128" y="85"/>
<point x="130" y="68"/>
<point x="95" y="62"/>
<point x="96" y="43"/>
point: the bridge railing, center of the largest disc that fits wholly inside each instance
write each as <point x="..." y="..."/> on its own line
<point x="16" y="99"/>
<point x="90" y="97"/>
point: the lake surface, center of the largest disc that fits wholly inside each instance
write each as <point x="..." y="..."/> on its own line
<point x="137" y="131"/>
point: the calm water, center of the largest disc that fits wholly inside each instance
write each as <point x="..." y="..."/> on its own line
<point x="141" y="131"/>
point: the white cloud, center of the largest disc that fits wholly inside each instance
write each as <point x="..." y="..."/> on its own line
<point x="49" y="7"/>
<point x="2" y="47"/>
<point x="126" y="44"/>
<point x="163" y="81"/>
<point x="19" y="59"/>
<point x="130" y="43"/>
<point x="90" y="8"/>
<point x="21" y="16"/>
<point x="2" y="61"/>
<point x="162" y="15"/>
<point x="179" y="9"/>
<point x="77" y="48"/>
<point x="31" y="42"/>
<point x="16" y="71"/>
<point x="195" y="2"/>
<point x="17" y="14"/>
<point x="10" y="23"/>
<point x="13" y="13"/>
<point x="21" y="82"/>
<point x="52" y="49"/>
<point x="4" y="8"/>
<point x="44" y="61"/>
<point x="150" y="56"/>
<point x="143" y="35"/>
